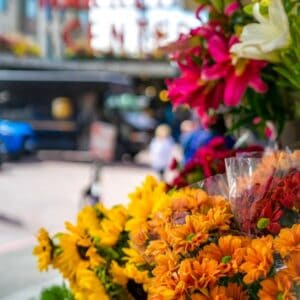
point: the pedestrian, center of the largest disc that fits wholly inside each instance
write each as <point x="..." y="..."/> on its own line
<point x="201" y="136"/>
<point x="161" y="148"/>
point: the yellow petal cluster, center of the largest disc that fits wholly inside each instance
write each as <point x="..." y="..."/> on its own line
<point x="43" y="250"/>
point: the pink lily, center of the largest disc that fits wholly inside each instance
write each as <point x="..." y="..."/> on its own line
<point x="237" y="78"/>
<point x="231" y="8"/>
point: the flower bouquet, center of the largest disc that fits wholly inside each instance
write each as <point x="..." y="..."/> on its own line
<point x="243" y="60"/>
<point x="265" y="192"/>
<point x="89" y="254"/>
<point x="185" y="244"/>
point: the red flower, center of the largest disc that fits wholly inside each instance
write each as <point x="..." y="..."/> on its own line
<point x="174" y="164"/>
<point x="272" y="216"/>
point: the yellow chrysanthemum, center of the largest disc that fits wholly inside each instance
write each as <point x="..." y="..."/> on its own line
<point x="288" y="241"/>
<point x="133" y="256"/>
<point x="103" y="225"/>
<point x="258" y="259"/>
<point x="118" y="274"/>
<point x="118" y="215"/>
<point x="43" y="250"/>
<point x="73" y="248"/>
<point x="278" y="287"/>
<point x="109" y="233"/>
<point x="95" y="260"/>
<point x="138" y="276"/>
<point x="146" y="200"/>
<point x="90" y="217"/>
<point x="88" y="286"/>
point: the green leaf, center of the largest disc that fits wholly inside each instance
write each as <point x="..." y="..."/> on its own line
<point x="218" y="5"/>
<point x="253" y="290"/>
<point x="240" y="123"/>
<point x="56" y="292"/>
<point x="248" y="9"/>
<point x="108" y="253"/>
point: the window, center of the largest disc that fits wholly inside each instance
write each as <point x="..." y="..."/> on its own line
<point x="29" y="15"/>
<point x="31" y="9"/>
<point x="3" y="6"/>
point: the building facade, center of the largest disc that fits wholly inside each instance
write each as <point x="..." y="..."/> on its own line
<point x="43" y="24"/>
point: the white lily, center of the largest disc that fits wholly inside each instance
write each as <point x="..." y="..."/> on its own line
<point x="261" y="40"/>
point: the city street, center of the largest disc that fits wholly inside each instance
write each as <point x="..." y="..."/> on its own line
<point x="46" y="193"/>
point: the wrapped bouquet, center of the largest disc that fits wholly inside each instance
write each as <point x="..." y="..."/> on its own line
<point x="265" y="192"/>
<point x="188" y="244"/>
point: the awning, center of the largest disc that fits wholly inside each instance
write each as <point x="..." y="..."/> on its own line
<point x="61" y="76"/>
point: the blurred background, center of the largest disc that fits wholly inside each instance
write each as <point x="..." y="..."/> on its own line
<point x="82" y="93"/>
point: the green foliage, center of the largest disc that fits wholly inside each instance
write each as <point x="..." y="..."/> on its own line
<point x="253" y="290"/>
<point x="114" y="290"/>
<point x="289" y="68"/>
<point x="116" y="252"/>
<point x="297" y="291"/>
<point x="56" y="292"/>
<point x="289" y="218"/>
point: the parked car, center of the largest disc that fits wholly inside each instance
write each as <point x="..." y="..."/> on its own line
<point x="16" y="138"/>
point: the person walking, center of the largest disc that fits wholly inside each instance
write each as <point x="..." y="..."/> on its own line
<point x="161" y="148"/>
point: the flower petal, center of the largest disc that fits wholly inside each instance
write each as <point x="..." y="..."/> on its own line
<point x="258" y="85"/>
<point x="231" y="8"/>
<point x="234" y="90"/>
<point x="218" y="49"/>
<point x="215" y="71"/>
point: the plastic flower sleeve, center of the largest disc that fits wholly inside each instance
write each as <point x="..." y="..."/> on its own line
<point x="264" y="192"/>
<point x="216" y="185"/>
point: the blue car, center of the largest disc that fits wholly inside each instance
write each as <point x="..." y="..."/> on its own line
<point x="16" y="138"/>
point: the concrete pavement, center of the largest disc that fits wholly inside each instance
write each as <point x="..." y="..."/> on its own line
<point x="35" y="194"/>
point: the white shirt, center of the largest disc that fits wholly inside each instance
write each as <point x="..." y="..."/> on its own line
<point x="160" y="152"/>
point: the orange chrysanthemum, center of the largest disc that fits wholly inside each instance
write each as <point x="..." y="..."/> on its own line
<point x="166" y="266"/>
<point x="293" y="267"/>
<point x="258" y="259"/>
<point x="186" y="275"/>
<point x="288" y="241"/>
<point x="188" y="199"/>
<point x="198" y="296"/>
<point x="187" y="237"/>
<point x="229" y="252"/>
<point x="207" y="271"/>
<point x="278" y="287"/>
<point x="219" y="218"/>
<point x="157" y="247"/>
<point x="232" y="291"/>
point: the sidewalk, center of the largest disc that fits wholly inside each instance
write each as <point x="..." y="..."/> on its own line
<point x="36" y="194"/>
